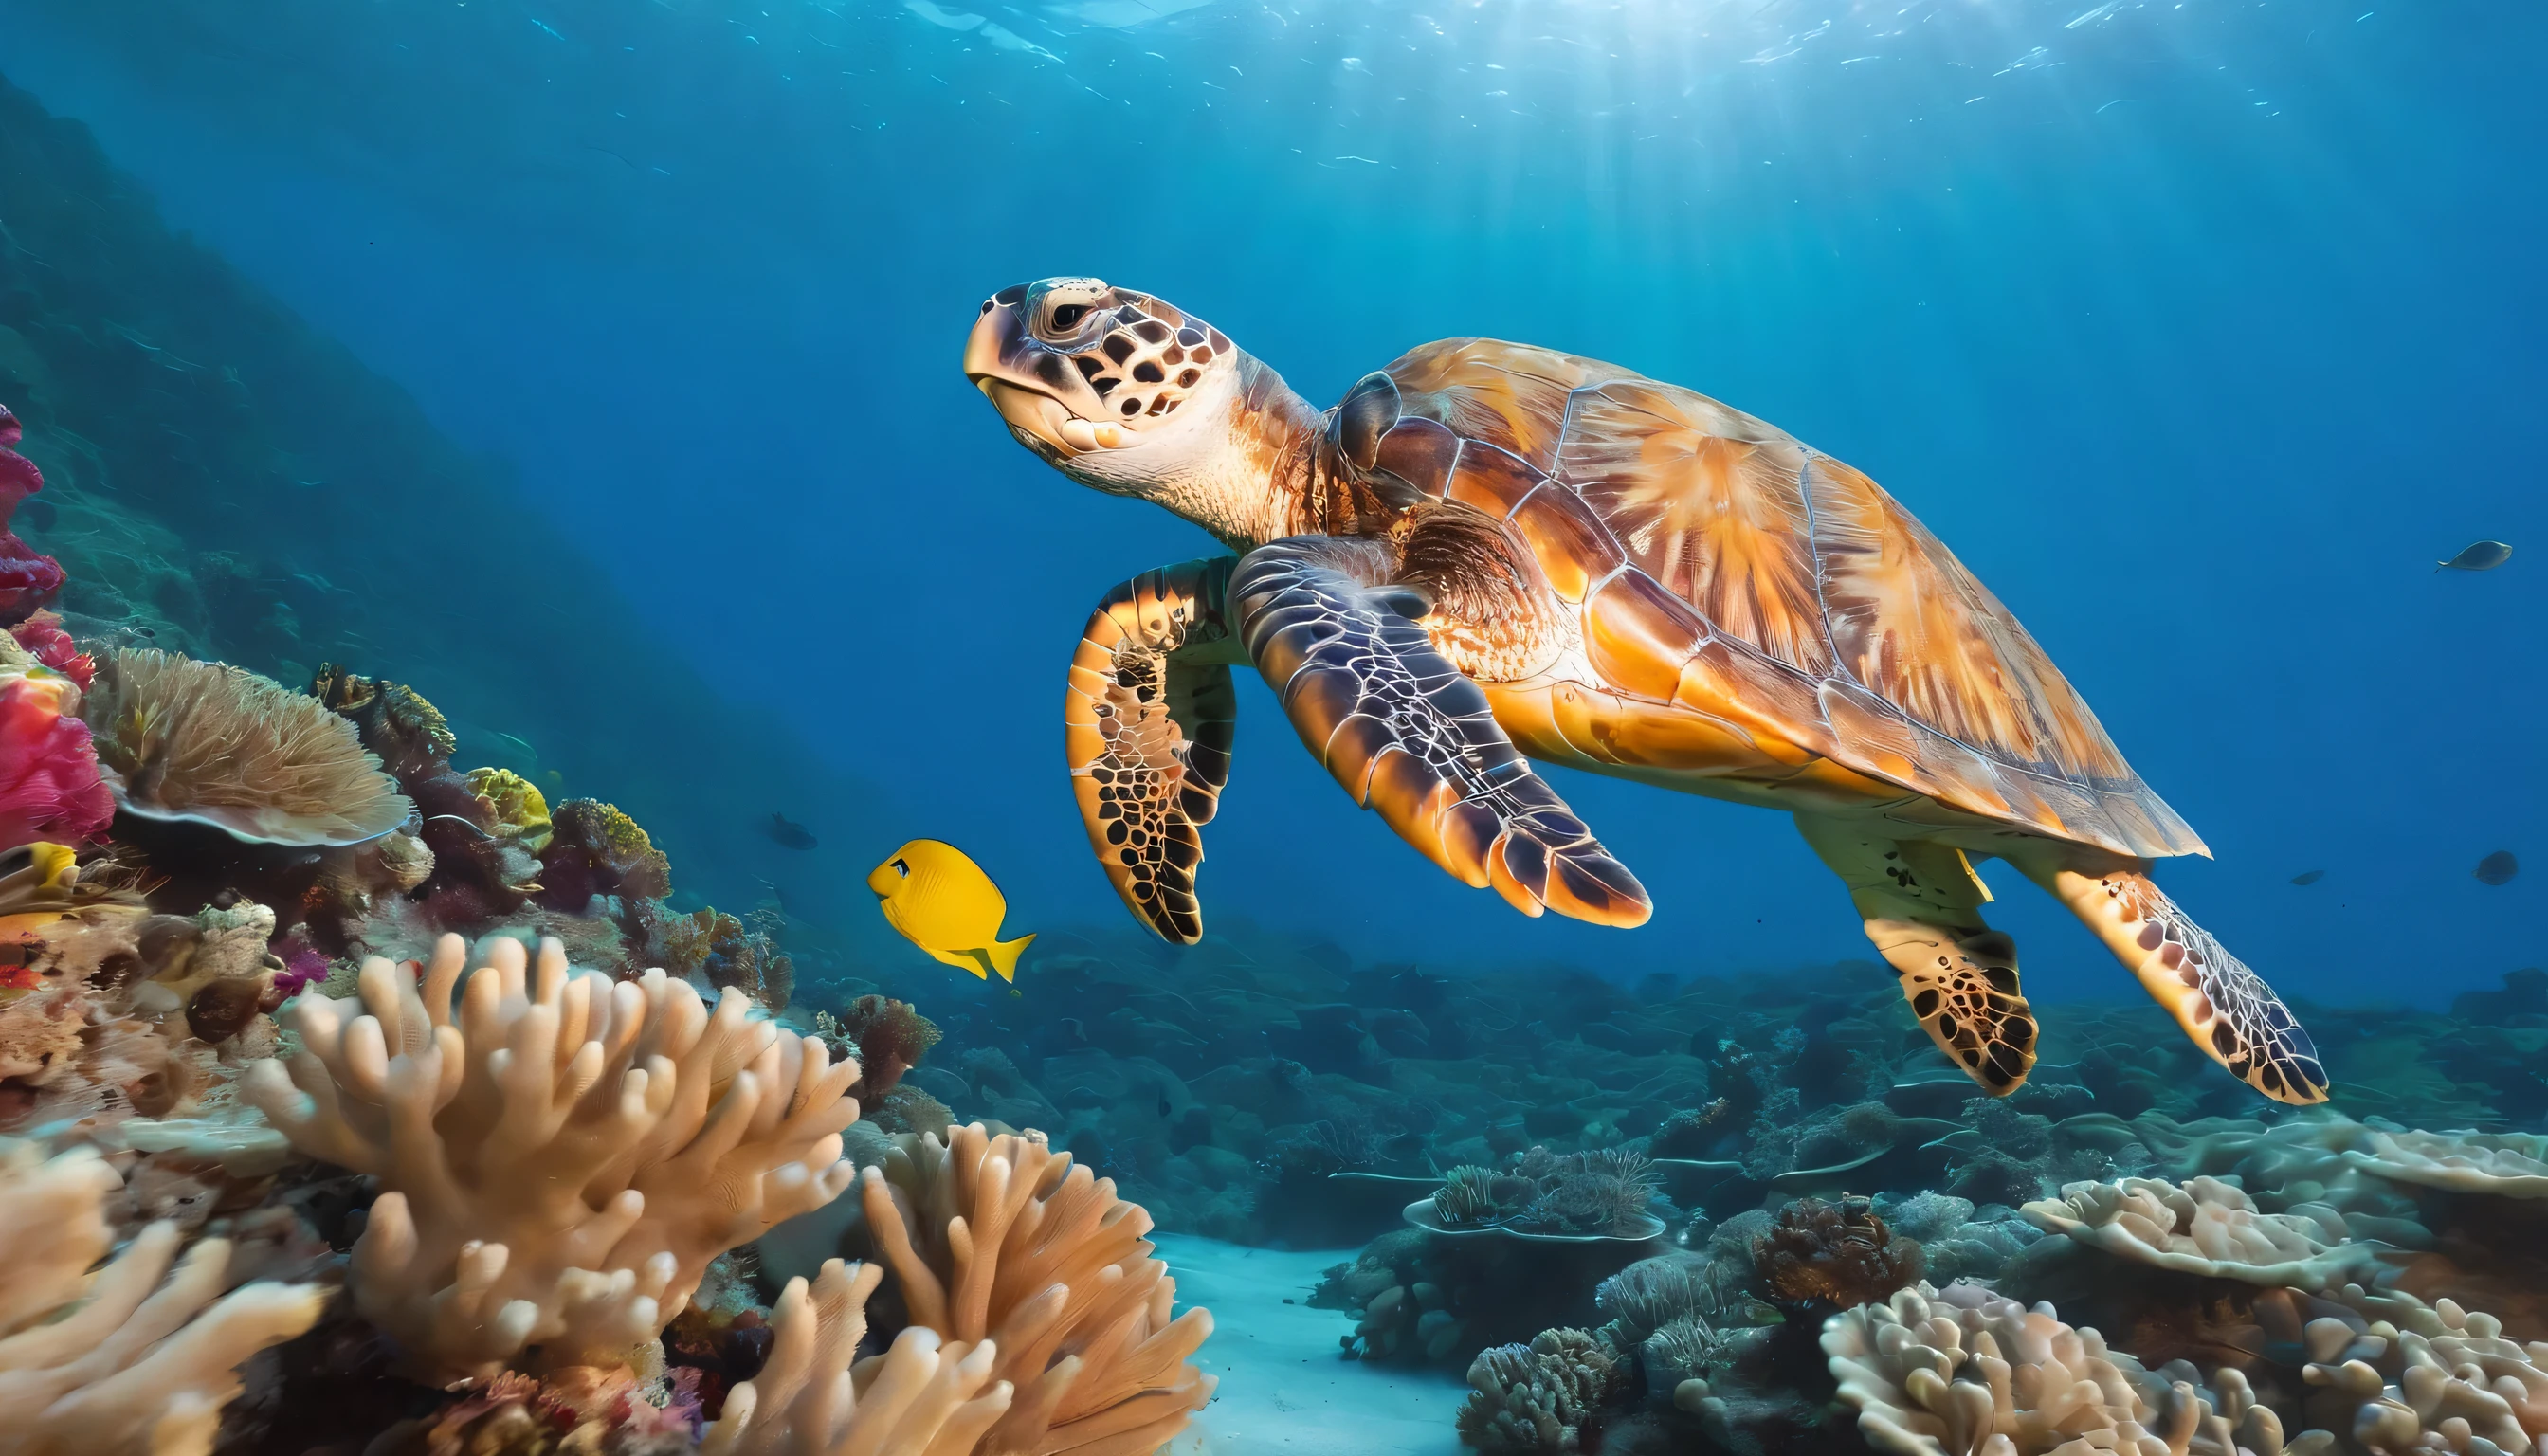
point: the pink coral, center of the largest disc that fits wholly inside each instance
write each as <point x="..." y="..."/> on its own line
<point x="43" y="635"/>
<point x="27" y="581"/>
<point x="50" y="787"/>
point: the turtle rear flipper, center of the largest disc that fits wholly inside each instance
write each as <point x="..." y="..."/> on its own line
<point x="2227" y="1009"/>
<point x="1147" y="726"/>
<point x="1411" y="736"/>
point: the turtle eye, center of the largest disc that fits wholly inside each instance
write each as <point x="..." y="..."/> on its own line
<point x="902" y="867"/>
<point x="1068" y="316"/>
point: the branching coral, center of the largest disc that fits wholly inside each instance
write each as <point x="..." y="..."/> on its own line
<point x="889" y="1037"/>
<point x="1538" y="1398"/>
<point x="1003" y="1239"/>
<point x="2205" y="1227"/>
<point x="731" y="953"/>
<point x="1968" y="1373"/>
<point x="1832" y="1254"/>
<point x="560" y="1156"/>
<point x="212" y="743"/>
<point x="595" y="850"/>
<point x="125" y="1361"/>
<point x="925" y="1395"/>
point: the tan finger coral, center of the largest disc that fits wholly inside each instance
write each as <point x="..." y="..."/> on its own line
<point x="122" y="1362"/>
<point x="560" y="1154"/>
<point x="1968" y="1373"/>
<point x="923" y="1397"/>
<point x="213" y="744"/>
<point x="2205" y="1227"/>
<point x="1002" y="1238"/>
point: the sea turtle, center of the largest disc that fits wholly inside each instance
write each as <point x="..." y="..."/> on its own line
<point x="1489" y="553"/>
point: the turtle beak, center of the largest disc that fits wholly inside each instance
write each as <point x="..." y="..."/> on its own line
<point x="1006" y="364"/>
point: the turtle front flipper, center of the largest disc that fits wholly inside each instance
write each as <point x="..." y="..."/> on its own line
<point x="1148" y="725"/>
<point x="1410" y="736"/>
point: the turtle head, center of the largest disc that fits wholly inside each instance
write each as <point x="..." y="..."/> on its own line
<point x="1116" y="389"/>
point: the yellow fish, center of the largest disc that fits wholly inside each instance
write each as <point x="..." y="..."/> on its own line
<point x="943" y="902"/>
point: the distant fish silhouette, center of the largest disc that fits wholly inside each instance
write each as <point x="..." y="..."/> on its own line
<point x="2482" y="556"/>
<point x="2309" y="876"/>
<point x="790" y="833"/>
<point x="2498" y="867"/>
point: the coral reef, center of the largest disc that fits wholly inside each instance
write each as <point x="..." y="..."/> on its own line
<point x="924" y="1395"/>
<point x="127" y="1360"/>
<point x="50" y="785"/>
<point x="1003" y="1238"/>
<point x="211" y="744"/>
<point x="1601" y="1193"/>
<point x="2204" y="1227"/>
<point x="1968" y="1371"/>
<point x="559" y="1155"/>
<point x="1545" y="1397"/>
<point x="27" y="579"/>
<point x="887" y="1037"/>
<point x="1832" y="1255"/>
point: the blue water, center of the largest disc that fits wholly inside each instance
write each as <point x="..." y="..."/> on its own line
<point x="2198" y="330"/>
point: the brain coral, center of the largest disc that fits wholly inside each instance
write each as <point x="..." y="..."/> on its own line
<point x="212" y="743"/>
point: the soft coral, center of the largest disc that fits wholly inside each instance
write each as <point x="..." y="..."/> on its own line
<point x="50" y="787"/>
<point x="27" y="581"/>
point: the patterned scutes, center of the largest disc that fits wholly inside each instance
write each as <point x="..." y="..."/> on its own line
<point x="1760" y="572"/>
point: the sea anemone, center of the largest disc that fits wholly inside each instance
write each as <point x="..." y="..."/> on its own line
<point x="1466" y="1197"/>
<point x="207" y="743"/>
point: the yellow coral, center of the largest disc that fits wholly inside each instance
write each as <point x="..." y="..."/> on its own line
<point x="519" y="809"/>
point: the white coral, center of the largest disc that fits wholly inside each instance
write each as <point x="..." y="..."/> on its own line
<point x="120" y="1361"/>
<point x="2205" y="1227"/>
<point x="1968" y="1373"/>
<point x="922" y="1397"/>
<point x="2425" y="1380"/>
<point x="560" y="1157"/>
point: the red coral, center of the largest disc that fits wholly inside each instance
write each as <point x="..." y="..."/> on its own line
<point x="43" y="635"/>
<point x="50" y="787"/>
<point x="890" y="1038"/>
<point x="27" y="581"/>
<point x="1833" y="1256"/>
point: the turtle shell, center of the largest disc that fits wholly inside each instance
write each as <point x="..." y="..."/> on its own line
<point x="1716" y="558"/>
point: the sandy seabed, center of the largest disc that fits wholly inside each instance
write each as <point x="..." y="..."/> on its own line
<point x="1283" y="1386"/>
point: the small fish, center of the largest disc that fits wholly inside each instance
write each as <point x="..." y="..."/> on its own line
<point x="2482" y="556"/>
<point x="2309" y="876"/>
<point x="2498" y="867"/>
<point x="941" y="901"/>
<point x="789" y="832"/>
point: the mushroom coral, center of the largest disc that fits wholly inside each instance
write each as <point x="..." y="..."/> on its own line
<point x="560" y="1155"/>
<point x="1003" y="1239"/>
<point x="212" y="744"/>
<point x="125" y="1361"/>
